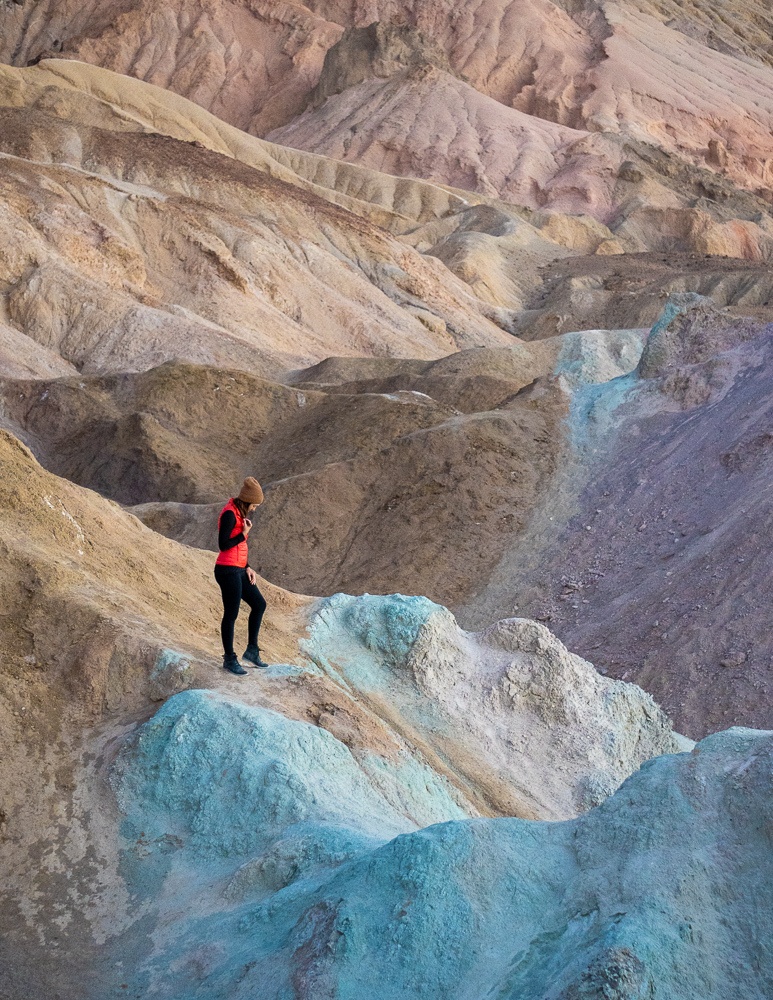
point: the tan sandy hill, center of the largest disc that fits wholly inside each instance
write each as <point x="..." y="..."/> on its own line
<point x="358" y="456"/>
<point x="126" y="248"/>
<point x="427" y="123"/>
<point x="354" y="478"/>
<point x="387" y="98"/>
<point x="88" y="95"/>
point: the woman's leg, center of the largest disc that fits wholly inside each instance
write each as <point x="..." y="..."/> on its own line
<point x="257" y="603"/>
<point x="231" y="590"/>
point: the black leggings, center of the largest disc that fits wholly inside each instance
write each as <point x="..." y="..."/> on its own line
<point x="235" y="588"/>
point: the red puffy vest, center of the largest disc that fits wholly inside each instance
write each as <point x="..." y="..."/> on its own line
<point x="236" y="556"/>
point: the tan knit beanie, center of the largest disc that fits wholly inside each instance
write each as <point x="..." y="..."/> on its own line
<point x="251" y="491"/>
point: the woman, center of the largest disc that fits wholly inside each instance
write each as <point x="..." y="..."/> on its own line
<point x="238" y="582"/>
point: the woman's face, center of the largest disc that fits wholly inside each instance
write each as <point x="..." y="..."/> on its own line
<point x="252" y="507"/>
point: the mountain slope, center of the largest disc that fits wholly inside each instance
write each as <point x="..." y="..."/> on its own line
<point x="128" y="247"/>
<point x="694" y="80"/>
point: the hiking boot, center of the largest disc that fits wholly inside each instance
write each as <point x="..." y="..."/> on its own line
<point x="231" y="663"/>
<point x="252" y="655"/>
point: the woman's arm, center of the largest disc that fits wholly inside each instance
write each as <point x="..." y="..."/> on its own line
<point x="227" y="525"/>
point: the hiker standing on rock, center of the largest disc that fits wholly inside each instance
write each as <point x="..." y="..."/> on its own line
<point x="237" y="581"/>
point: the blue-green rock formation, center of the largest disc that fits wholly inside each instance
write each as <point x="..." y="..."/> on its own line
<point x="264" y="863"/>
<point x="521" y="725"/>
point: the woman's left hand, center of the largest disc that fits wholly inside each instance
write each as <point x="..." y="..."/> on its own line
<point x="252" y="576"/>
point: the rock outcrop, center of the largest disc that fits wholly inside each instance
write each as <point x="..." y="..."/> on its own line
<point x="509" y="706"/>
<point x="283" y="873"/>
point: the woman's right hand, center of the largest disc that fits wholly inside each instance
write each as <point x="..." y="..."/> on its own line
<point x="247" y="527"/>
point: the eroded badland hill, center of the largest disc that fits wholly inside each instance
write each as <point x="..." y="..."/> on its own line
<point x="481" y="293"/>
